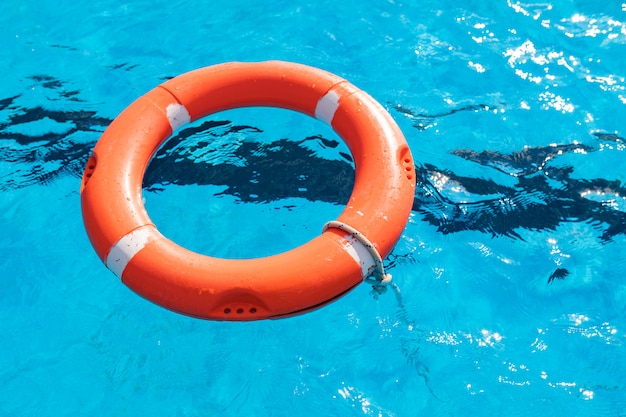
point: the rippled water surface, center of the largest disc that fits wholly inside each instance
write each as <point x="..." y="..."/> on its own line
<point x="511" y="268"/>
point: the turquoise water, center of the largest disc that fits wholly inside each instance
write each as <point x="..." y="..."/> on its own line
<point x="511" y="267"/>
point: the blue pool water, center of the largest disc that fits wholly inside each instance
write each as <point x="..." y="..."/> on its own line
<point x="511" y="267"/>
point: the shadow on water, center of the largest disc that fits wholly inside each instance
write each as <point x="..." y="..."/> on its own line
<point x="42" y="145"/>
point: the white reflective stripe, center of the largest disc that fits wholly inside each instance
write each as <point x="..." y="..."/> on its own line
<point x="128" y="246"/>
<point x="178" y="115"/>
<point x="360" y="254"/>
<point x="327" y="106"/>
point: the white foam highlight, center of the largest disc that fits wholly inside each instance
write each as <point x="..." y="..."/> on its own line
<point x="327" y="106"/>
<point x="128" y="246"/>
<point x="178" y="115"/>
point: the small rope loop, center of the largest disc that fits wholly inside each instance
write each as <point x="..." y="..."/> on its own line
<point x="381" y="278"/>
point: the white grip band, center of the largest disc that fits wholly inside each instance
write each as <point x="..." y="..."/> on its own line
<point x="359" y="252"/>
<point x="128" y="246"/>
<point x="178" y="115"/>
<point x="327" y="106"/>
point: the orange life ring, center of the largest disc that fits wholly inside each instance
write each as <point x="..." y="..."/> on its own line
<point x="290" y="283"/>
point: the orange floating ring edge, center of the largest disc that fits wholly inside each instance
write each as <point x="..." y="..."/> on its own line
<point x="290" y="283"/>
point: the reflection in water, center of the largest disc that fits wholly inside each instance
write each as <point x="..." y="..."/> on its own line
<point x="252" y="171"/>
<point x="542" y="198"/>
<point x="40" y="145"/>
